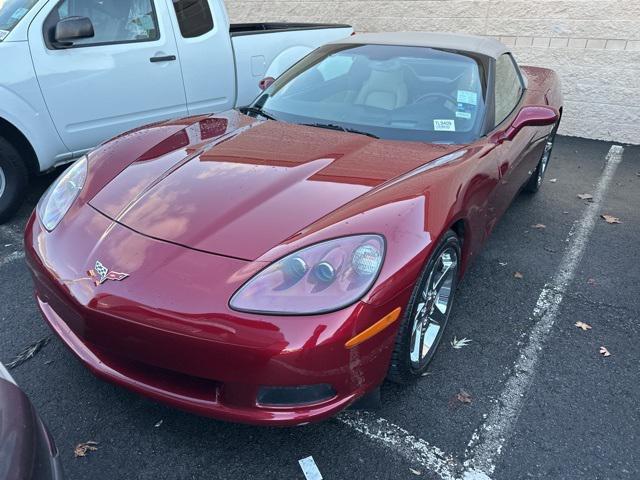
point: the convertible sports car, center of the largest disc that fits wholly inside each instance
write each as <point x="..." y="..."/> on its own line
<point x="276" y="263"/>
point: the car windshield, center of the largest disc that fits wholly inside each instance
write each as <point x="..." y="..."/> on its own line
<point x="11" y="12"/>
<point x="391" y="92"/>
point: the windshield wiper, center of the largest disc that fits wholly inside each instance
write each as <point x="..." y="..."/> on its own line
<point x="257" y="111"/>
<point x="332" y="126"/>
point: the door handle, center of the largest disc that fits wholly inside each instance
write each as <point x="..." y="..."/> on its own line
<point x="166" y="58"/>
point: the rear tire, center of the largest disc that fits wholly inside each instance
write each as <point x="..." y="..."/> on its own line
<point x="536" y="179"/>
<point x="14" y="179"/>
<point x="427" y="313"/>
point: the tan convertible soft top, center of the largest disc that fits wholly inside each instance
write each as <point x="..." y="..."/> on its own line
<point x="450" y="41"/>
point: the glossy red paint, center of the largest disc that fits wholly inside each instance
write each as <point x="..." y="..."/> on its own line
<point x="192" y="209"/>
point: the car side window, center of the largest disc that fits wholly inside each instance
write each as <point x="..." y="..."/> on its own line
<point x="194" y="17"/>
<point x="114" y="21"/>
<point x="508" y="87"/>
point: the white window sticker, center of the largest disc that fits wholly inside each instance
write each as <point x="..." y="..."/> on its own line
<point x="465" y="96"/>
<point x="19" y="13"/>
<point x="444" y="125"/>
<point x="3" y="34"/>
<point x="460" y="114"/>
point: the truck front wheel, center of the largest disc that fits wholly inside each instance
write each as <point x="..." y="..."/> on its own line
<point x="14" y="179"/>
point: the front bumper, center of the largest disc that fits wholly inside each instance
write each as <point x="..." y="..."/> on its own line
<point x="167" y="332"/>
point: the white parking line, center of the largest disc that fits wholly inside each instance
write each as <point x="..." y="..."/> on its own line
<point x="12" y="257"/>
<point x="488" y="441"/>
<point x="415" y="450"/>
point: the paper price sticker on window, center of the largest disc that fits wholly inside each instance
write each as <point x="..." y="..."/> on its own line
<point x="444" y="125"/>
<point x="465" y="96"/>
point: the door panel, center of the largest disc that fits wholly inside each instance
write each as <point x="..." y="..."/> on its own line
<point x="204" y="44"/>
<point x="108" y="84"/>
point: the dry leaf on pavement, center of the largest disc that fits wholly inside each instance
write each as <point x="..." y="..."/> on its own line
<point x="518" y="275"/>
<point x="27" y="353"/>
<point x="583" y="326"/>
<point x="463" y="397"/>
<point x="585" y="196"/>
<point x="463" y="342"/>
<point x="82" y="449"/>
<point x="605" y="352"/>
<point x="539" y="226"/>
<point x="415" y="472"/>
<point x="610" y="218"/>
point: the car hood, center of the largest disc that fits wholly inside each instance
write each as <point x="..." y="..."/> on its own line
<point x="252" y="185"/>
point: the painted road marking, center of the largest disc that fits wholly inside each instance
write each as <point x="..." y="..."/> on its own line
<point x="414" y="449"/>
<point x="12" y="257"/>
<point x="488" y="441"/>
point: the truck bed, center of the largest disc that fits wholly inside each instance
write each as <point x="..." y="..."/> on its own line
<point x="239" y="29"/>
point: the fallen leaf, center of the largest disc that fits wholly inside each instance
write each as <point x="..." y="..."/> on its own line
<point x="82" y="449"/>
<point x="518" y="275"/>
<point x="583" y="326"/>
<point x="585" y="196"/>
<point x="28" y="353"/>
<point x="159" y="423"/>
<point x="463" y="342"/>
<point x="539" y="226"/>
<point x="553" y="180"/>
<point x="415" y="472"/>
<point x="463" y="397"/>
<point x="610" y="218"/>
<point x="605" y="352"/>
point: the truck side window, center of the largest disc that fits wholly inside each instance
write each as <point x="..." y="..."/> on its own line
<point x="194" y="17"/>
<point x="508" y="88"/>
<point x="115" y="21"/>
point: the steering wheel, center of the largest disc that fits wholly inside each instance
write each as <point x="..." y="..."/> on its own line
<point x="433" y="96"/>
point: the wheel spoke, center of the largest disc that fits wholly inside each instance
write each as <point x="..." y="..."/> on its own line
<point x="432" y="307"/>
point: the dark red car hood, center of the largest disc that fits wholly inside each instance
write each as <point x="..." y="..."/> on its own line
<point x="250" y="187"/>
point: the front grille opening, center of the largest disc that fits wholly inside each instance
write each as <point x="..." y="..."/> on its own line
<point x="295" y="395"/>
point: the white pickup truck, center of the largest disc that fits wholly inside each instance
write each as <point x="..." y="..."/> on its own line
<point x="77" y="72"/>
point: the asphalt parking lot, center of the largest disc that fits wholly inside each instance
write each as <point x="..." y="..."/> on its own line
<point x="530" y="396"/>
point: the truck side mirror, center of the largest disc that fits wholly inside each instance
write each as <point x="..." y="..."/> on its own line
<point x="266" y="82"/>
<point x="70" y="29"/>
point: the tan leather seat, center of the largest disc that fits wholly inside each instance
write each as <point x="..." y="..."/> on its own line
<point x="384" y="89"/>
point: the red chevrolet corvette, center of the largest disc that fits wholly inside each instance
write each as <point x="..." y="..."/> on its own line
<point x="275" y="264"/>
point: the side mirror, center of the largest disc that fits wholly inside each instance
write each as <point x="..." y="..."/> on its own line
<point x="266" y="82"/>
<point x="530" y="116"/>
<point x="72" y="28"/>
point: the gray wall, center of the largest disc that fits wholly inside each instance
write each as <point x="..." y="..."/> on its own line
<point x="594" y="45"/>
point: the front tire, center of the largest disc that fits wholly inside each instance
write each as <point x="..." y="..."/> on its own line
<point x="14" y="179"/>
<point x="427" y="313"/>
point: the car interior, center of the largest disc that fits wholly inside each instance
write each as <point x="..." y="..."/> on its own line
<point x="438" y="92"/>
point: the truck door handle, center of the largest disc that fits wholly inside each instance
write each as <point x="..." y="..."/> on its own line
<point x="166" y="58"/>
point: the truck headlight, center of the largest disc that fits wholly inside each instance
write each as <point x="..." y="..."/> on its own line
<point x="57" y="200"/>
<point x="321" y="278"/>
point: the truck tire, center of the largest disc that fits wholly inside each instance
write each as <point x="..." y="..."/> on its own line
<point x="14" y="178"/>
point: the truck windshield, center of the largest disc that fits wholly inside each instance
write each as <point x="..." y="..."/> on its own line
<point x="391" y="92"/>
<point x="11" y="12"/>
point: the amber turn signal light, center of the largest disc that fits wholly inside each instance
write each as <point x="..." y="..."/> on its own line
<point x="374" y="329"/>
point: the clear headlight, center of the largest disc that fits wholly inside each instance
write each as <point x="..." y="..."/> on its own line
<point x="57" y="200"/>
<point x="321" y="278"/>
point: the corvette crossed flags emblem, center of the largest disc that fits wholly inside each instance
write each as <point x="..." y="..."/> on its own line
<point x="100" y="274"/>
